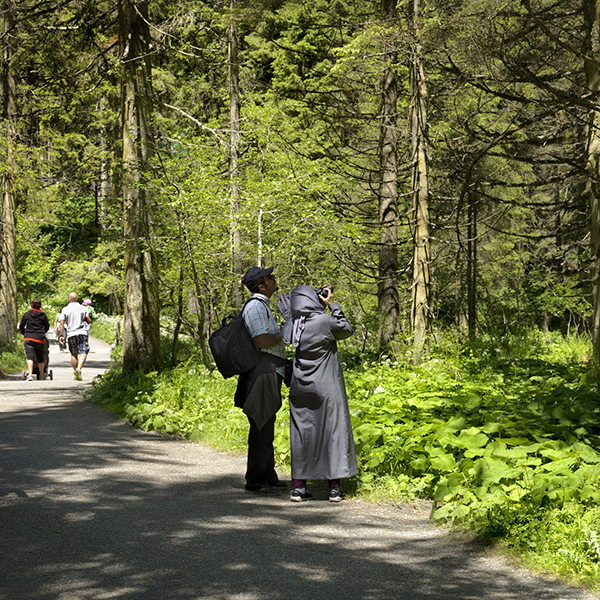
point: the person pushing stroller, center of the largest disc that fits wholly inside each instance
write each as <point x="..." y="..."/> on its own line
<point x="33" y="326"/>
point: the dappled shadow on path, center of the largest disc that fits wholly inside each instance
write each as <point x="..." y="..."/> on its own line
<point x="90" y="508"/>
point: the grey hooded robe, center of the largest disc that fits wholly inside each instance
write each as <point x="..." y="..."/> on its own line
<point x="322" y="445"/>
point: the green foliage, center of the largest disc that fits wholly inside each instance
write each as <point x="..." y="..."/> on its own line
<point x="310" y="84"/>
<point x="37" y="261"/>
<point x="562" y="541"/>
<point x="183" y="401"/>
<point x="482" y="434"/>
<point x="90" y="277"/>
<point x="104" y="328"/>
<point x="12" y="359"/>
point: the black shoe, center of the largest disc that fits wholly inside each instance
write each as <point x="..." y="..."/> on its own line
<point x="298" y="496"/>
<point x="279" y="484"/>
<point x="266" y="490"/>
<point x="335" y="495"/>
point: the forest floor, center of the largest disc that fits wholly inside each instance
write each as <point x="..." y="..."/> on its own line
<point x="91" y="508"/>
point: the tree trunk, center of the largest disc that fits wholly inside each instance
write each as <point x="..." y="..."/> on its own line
<point x="592" y="76"/>
<point x="114" y="301"/>
<point x="545" y="321"/>
<point x="141" y="341"/>
<point x="8" y="223"/>
<point x="259" y="242"/>
<point x="234" y="152"/>
<point x="195" y="302"/>
<point x="179" y="321"/>
<point x="104" y="186"/>
<point x="421" y="286"/>
<point x="201" y="331"/>
<point x="472" y="265"/>
<point x="388" y="299"/>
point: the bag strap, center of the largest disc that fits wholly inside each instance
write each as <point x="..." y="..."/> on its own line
<point x="250" y="300"/>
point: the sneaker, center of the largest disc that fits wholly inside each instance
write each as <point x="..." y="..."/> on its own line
<point x="29" y="378"/>
<point x="266" y="490"/>
<point x="298" y="495"/>
<point x="77" y="374"/>
<point x="335" y="495"/>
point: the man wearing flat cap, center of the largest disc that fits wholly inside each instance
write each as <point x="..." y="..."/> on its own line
<point x="259" y="390"/>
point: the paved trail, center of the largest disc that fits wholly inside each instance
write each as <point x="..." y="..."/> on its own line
<point x="93" y="509"/>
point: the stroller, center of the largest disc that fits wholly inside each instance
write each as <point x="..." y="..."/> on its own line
<point x="48" y="372"/>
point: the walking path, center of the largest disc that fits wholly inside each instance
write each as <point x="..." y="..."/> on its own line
<point x="93" y="509"/>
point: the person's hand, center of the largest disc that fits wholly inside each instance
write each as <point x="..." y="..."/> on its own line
<point x="328" y="299"/>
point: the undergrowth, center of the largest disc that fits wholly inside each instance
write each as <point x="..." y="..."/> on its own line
<point x="12" y="359"/>
<point x="105" y="327"/>
<point x="504" y="444"/>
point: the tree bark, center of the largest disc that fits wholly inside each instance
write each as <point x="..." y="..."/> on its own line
<point x="179" y="321"/>
<point x="141" y="341"/>
<point x="388" y="298"/>
<point x="234" y="152"/>
<point x="8" y="223"/>
<point x="421" y="286"/>
<point x="108" y="186"/>
<point x="591" y="53"/>
<point x="105" y="175"/>
<point x="472" y="265"/>
<point x="197" y="299"/>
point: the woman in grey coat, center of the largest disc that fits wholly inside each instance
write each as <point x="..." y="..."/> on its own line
<point x="322" y="445"/>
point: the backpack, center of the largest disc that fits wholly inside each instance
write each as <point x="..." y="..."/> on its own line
<point x="232" y="347"/>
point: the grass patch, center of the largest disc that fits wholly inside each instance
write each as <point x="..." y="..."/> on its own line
<point x="12" y="359"/>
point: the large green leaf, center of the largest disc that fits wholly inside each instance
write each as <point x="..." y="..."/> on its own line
<point x="473" y="438"/>
<point x="445" y="462"/>
<point x="447" y="487"/>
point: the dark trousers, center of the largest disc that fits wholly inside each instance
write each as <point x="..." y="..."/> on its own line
<point x="261" y="459"/>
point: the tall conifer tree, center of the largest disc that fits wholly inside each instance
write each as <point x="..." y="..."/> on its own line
<point x="388" y="184"/>
<point x="234" y="151"/>
<point x="421" y="285"/>
<point x="592" y="76"/>
<point x="141" y="342"/>
<point x="8" y="222"/>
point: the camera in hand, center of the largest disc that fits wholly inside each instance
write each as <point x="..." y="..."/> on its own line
<point x="322" y="291"/>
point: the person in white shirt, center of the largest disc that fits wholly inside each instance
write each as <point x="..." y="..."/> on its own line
<point x="74" y="316"/>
